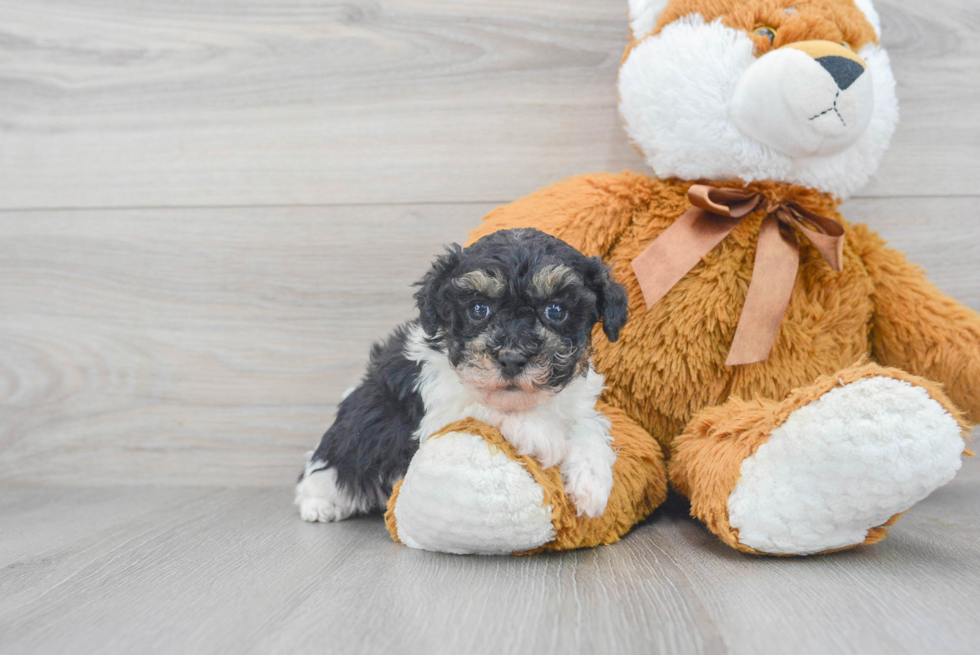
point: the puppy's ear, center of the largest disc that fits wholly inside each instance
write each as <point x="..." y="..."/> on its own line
<point x="612" y="303"/>
<point x="430" y="296"/>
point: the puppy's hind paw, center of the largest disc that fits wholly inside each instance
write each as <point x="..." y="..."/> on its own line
<point x="320" y="509"/>
<point x="319" y="498"/>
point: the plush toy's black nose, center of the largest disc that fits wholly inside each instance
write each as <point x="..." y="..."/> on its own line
<point x="843" y="70"/>
<point x="511" y="362"/>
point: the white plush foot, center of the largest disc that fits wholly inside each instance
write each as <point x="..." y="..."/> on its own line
<point x="458" y="496"/>
<point x="843" y="464"/>
<point x="319" y="499"/>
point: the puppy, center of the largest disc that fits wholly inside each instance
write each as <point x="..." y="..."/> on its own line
<point x="504" y="336"/>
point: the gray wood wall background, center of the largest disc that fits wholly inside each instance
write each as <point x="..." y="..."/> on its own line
<point x="209" y="210"/>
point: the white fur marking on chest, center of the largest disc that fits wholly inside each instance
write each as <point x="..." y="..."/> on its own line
<point x="542" y="432"/>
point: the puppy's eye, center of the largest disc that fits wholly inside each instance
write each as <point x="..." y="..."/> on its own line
<point x="767" y="32"/>
<point x="479" y="311"/>
<point x="555" y="313"/>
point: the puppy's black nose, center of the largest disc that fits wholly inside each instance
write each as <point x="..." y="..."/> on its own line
<point x="843" y="70"/>
<point x="511" y="362"/>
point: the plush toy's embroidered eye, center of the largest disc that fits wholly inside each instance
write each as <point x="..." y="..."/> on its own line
<point x="767" y="32"/>
<point x="555" y="313"/>
<point x="479" y="311"/>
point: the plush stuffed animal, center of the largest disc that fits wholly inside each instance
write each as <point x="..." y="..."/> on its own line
<point x="800" y="382"/>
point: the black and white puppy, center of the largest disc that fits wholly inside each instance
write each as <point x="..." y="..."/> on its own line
<point x="504" y="335"/>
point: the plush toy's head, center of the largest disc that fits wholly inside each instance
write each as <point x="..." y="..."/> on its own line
<point x="795" y="91"/>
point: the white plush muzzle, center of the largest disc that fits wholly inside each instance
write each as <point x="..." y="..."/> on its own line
<point x="802" y="106"/>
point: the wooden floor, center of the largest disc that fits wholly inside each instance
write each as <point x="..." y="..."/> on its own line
<point x="191" y="570"/>
<point x="209" y="210"/>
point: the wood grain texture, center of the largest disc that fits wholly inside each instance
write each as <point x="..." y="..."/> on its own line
<point x="142" y="570"/>
<point x="244" y="102"/>
<point x="306" y="160"/>
<point x="210" y="347"/>
<point x="939" y="234"/>
<point x="195" y="346"/>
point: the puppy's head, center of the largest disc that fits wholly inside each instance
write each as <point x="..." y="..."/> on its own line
<point x="514" y="314"/>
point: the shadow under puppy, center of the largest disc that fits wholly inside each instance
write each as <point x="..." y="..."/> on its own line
<point x="504" y="335"/>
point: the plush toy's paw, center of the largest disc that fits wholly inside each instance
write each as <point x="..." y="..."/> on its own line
<point x="463" y="495"/>
<point x="468" y="490"/>
<point x="843" y="464"/>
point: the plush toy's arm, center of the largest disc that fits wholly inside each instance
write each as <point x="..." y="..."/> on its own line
<point x="467" y="490"/>
<point x="919" y="329"/>
<point x="588" y="212"/>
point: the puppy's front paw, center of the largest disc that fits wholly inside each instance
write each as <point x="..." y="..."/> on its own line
<point x="588" y="485"/>
<point x="542" y="440"/>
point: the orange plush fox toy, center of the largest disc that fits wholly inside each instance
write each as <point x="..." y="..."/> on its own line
<point x="801" y="383"/>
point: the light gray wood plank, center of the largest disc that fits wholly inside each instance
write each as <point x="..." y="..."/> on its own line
<point x="242" y="102"/>
<point x="940" y="234"/>
<point x="251" y="102"/>
<point x="195" y="346"/>
<point x="210" y="347"/>
<point x="934" y="56"/>
<point x="237" y="571"/>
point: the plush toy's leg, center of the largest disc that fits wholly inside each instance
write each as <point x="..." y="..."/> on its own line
<point x="826" y="469"/>
<point x="468" y="491"/>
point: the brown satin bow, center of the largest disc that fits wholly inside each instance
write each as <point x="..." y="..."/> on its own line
<point x="715" y="214"/>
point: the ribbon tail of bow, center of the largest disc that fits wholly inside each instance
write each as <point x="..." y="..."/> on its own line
<point x="777" y="260"/>
<point x="677" y="250"/>
<point x="680" y="247"/>
<point x="826" y="235"/>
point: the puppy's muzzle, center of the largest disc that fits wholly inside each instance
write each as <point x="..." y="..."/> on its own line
<point x="512" y="363"/>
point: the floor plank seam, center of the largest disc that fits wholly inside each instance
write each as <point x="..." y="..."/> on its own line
<point x="407" y="203"/>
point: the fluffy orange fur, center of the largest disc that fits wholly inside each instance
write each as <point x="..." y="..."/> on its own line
<point x="667" y="371"/>
<point x="666" y="378"/>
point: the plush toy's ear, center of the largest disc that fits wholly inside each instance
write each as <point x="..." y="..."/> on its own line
<point x="644" y="15"/>
<point x="868" y="9"/>
<point x="431" y="288"/>
<point x="612" y="303"/>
